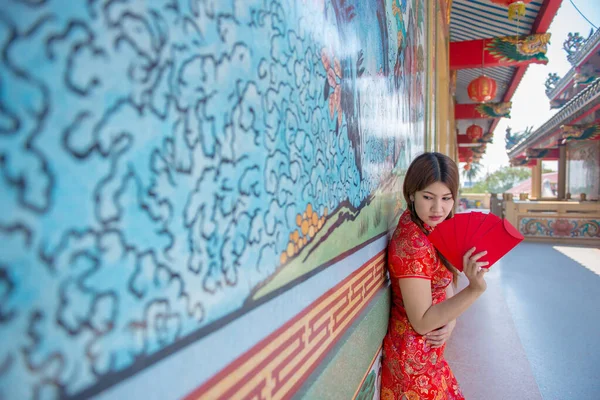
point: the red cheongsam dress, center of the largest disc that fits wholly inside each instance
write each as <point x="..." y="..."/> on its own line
<point x="410" y="369"/>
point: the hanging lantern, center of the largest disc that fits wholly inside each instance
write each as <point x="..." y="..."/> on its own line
<point x="482" y="89"/>
<point x="515" y="7"/>
<point x="474" y="132"/>
<point x="467" y="167"/>
<point x="465" y="152"/>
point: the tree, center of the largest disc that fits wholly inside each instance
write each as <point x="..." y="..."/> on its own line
<point x="472" y="172"/>
<point x="501" y="180"/>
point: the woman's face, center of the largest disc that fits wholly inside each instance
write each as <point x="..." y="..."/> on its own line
<point x="434" y="203"/>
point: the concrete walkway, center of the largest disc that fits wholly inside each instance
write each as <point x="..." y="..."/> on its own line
<point x="535" y="333"/>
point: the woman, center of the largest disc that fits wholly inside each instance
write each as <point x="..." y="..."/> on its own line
<point x="424" y="308"/>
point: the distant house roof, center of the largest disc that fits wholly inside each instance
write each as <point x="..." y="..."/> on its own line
<point x="525" y="186"/>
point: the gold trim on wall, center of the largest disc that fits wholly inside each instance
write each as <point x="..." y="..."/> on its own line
<point x="442" y="85"/>
<point x="430" y="106"/>
<point x="277" y="366"/>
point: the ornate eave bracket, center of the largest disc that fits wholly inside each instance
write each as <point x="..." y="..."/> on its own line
<point x="519" y="162"/>
<point x="500" y="51"/>
<point x="520" y="48"/>
<point x="580" y="132"/>
<point x="494" y="110"/>
<point x="585" y="75"/>
<point x="534" y="153"/>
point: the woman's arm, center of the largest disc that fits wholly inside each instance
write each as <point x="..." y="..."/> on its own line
<point x="426" y="317"/>
<point x="450" y="293"/>
<point x="438" y="337"/>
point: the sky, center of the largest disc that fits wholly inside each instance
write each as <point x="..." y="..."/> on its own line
<point x="531" y="106"/>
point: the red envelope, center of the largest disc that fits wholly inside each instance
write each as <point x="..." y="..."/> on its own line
<point x="486" y="225"/>
<point x="498" y="241"/>
<point x="461" y="229"/>
<point x="455" y="236"/>
<point x="437" y="238"/>
<point x="443" y="238"/>
<point x="475" y="220"/>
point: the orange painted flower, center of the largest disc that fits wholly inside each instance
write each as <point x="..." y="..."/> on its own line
<point x="334" y="80"/>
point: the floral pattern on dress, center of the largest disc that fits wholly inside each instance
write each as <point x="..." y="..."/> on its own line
<point x="411" y="369"/>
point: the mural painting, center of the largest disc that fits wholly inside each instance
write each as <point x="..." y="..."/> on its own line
<point x="167" y="166"/>
<point x="372" y="382"/>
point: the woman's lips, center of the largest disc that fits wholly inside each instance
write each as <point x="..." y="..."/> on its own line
<point x="435" y="218"/>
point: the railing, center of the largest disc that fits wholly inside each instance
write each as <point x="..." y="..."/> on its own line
<point x="478" y="200"/>
<point x="571" y="222"/>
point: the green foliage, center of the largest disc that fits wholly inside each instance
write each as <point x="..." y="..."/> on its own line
<point x="500" y="181"/>
<point x="367" y="390"/>
<point x="472" y="173"/>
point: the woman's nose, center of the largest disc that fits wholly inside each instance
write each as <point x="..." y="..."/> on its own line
<point x="437" y="205"/>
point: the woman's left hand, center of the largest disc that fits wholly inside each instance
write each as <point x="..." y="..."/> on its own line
<point x="437" y="338"/>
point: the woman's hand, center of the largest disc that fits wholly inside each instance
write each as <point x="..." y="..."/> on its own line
<point x="437" y="338"/>
<point x="474" y="270"/>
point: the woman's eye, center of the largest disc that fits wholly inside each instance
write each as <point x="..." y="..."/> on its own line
<point x="427" y="197"/>
<point x="447" y="198"/>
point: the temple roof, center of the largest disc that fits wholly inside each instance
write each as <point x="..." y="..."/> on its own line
<point x="573" y="110"/>
<point x="591" y="44"/>
<point x="589" y="51"/>
<point x="482" y="19"/>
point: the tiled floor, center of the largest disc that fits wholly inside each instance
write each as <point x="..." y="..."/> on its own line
<point x="534" y="333"/>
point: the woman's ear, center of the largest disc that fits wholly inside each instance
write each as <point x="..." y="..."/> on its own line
<point x="412" y="198"/>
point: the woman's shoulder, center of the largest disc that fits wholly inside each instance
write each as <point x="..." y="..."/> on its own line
<point x="407" y="229"/>
<point x="408" y="240"/>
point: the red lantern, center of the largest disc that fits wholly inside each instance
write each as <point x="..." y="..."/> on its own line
<point x="482" y="89"/>
<point x="474" y="132"/>
<point x="515" y="7"/>
<point x="467" y="167"/>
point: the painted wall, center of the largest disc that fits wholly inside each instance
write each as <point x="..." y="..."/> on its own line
<point x="192" y="190"/>
<point x="583" y="169"/>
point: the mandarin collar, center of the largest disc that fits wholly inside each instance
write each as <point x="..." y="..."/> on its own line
<point x="427" y="227"/>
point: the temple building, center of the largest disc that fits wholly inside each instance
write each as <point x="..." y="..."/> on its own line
<point x="571" y="137"/>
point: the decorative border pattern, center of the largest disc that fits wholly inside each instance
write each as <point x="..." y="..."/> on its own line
<point x="277" y="366"/>
<point x="540" y="227"/>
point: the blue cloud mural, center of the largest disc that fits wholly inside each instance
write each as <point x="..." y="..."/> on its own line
<point x="155" y="155"/>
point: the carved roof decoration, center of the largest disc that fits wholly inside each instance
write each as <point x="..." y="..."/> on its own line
<point x="590" y="44"/>
<point x="573" y="109"/>
<point x="576" y="54"/>
<point x="563" y="83"/>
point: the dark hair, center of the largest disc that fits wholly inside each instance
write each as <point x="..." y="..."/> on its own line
<point x="426" y="169"/>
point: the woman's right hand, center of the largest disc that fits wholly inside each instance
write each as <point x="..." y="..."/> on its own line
<point x="474" y="270"/>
